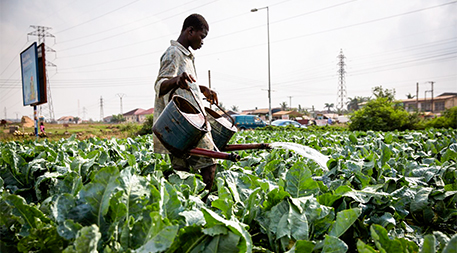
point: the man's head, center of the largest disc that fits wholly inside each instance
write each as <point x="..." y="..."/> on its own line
<point x="195" y="29"/>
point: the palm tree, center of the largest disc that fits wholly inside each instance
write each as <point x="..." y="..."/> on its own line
<point x="235" y="108"/>
<point x="410" y="96"/>
<point x="328" y="106"/>
<point x="283" y="106"/>
<point x="353" y="103"/>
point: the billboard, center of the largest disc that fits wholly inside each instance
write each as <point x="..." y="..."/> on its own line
<point x="30" y="79"/>
<point x="42" y="74"/>
<point x="33" y="73"/>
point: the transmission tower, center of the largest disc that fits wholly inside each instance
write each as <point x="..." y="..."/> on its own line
<point x="42" y="32"/>
<point x="121" y="95"/>
<point x="341" y="84"/>
<point x="101" y="109"/>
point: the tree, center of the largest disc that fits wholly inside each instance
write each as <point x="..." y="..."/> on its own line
<point x="379" y="92"/>
<point x="76" y="119"/>
<point x="146" y="128"/>
<point x="118" y="118"/>
<point x="328" y="106"/>
<point x="283" y="106"/>
<point x="353" y="103"/>
<point x="410" y="96"/>
<point x="380" y="114"/>
<point x="235" y="108"/>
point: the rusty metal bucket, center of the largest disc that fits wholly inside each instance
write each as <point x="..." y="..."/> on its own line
<point x="221" y="129"/>
<point x="180" y="126"/>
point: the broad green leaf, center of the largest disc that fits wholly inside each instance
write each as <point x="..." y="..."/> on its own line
<point x="189" y="239"/>
<point x="304" y="246"/>
<point x="99" y="191"/>
<point x="451" y="246"/>
<point x="364" y="248"/>
<point x="299" y="182"/>
<point x="153" y="234"/>
<point x="224" y="202"/>
<point x="344" y="220"/>
<point x="429" y="244"/>
<point x="86" y="240"/>
<point x="29" y="213"/>
<point x="224" y="243"/>
<point x="421" y="199"/>
<point x="170" y="203"/>
<point x="236" y="227"/>
<point x="333" y="244"/>
<point x="382" y="240"/>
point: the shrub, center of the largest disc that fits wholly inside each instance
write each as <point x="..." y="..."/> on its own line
<point x="448" y="120"/>
<point x="381" y="114"/>
<point x="147" y="125"/>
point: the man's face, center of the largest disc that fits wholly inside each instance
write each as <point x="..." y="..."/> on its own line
<point x="196" y="38"/>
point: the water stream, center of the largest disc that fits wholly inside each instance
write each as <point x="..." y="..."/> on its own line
<point x="303" y="150"/>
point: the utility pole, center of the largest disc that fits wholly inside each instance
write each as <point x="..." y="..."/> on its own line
<point x="84" y="112"/>
<point x="290" y="102"/>
<point x="417" y="96"/>
<point x="42" y="32"/>
<point x="5" y="113"/>
<point x="121" y="95"/>
<point x="341" y="84"/>
<point x="432" y="107"/>
<point x="101" y="109"/>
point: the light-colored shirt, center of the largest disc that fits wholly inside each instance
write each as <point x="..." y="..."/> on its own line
<point x="176" y="60"/>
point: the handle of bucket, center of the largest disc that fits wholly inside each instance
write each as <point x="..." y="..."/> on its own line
<point x="199" y="106"/>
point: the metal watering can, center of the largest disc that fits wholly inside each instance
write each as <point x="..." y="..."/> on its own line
<point x="181" y="126"/>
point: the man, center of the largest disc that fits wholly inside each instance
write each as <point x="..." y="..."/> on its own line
<point x="177" y="75"/>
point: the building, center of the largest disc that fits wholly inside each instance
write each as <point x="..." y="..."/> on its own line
<point x="286" y="115"/>
<point x="263" y="113"/>
<point x="137" y="115"/>
<point x="68" y="120"/>
<point x="434" y="105"/>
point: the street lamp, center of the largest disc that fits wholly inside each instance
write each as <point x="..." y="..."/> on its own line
<point x="269" y="78"/>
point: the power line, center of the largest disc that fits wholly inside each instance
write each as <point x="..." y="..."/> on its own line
<point x="90" y="20"/>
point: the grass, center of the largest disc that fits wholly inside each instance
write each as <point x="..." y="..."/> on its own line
<point x="82" y="131"/>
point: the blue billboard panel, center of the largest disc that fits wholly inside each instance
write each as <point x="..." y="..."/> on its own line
<point x="30" y="78"/>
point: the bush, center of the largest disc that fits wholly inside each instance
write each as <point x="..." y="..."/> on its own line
<point x="147" y="125"/>
<point x="130" y="128"/>
<point x="448" y="120"/>
<point x="381" y="114"/>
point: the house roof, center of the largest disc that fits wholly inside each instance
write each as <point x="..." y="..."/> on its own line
<point x="66" y="118"/>
<point x="440" y="97"/>
<point x="133" y="112"/>
<point x="146" y="112"/>
<point x="448" y="94"/>
<point x="291" y="113"/>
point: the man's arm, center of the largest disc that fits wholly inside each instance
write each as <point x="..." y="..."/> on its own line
<point x="210" y="95"/>
<point x="179" y="81"/>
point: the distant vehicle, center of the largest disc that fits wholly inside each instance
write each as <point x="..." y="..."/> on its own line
<point x="244" y="122"/>
<point x="286" y="122"/>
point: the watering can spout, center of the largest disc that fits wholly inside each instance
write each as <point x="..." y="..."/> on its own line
<point x="214" y="154"/>
<point x="233" y="147"/>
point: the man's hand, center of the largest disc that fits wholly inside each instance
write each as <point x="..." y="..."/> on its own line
<point x="183" y="79"/>
<point x="210" y="95"/>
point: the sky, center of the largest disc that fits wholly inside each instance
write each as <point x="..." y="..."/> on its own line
<point x="108" y="51"/>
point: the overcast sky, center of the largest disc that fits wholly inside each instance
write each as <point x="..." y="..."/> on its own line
<point x="111" y="48"/>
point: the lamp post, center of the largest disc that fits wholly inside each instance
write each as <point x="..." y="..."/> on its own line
<point x="269" y="77"/>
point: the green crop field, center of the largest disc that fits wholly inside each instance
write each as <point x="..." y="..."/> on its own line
<point x="381" y="192"/>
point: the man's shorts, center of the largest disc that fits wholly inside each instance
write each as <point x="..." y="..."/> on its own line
<point x="194" y="162"/>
